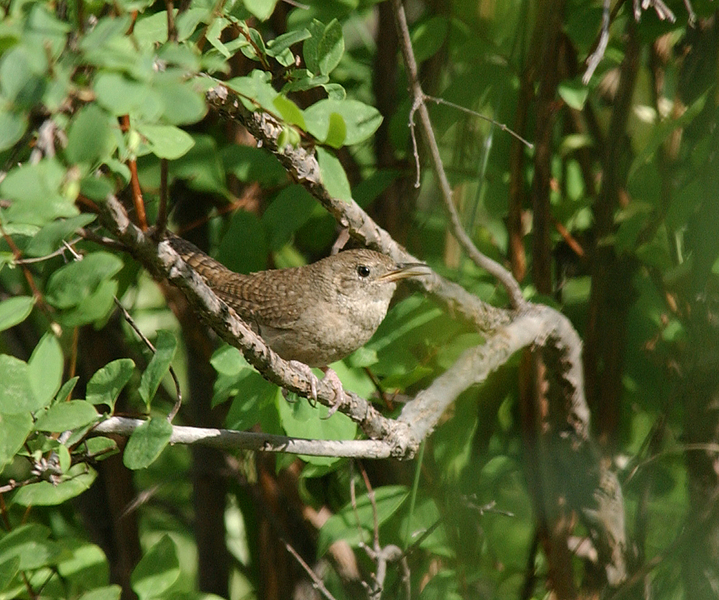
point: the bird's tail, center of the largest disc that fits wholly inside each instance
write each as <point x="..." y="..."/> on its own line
<point x="212" y="271"/>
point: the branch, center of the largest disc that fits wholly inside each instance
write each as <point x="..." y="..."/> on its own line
<point x="228" y="439"/>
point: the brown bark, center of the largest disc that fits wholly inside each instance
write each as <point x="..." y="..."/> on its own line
<point x="611" y="293"/>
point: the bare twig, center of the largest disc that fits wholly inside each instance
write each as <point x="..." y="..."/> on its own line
<point x="131" y="322"/>
<point x="162" y="211"/>
<point x="418" y="99"/>
<point x="479" y="115"/>
<point x="596" y="57"/>
<point x="229" y="439"/>
<point x="316" y="580"/>
<point x="58" y="252"/>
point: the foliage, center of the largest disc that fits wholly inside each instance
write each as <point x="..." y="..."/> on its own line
<point x="97" y="96"/>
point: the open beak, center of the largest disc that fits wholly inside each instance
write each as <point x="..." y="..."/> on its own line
<point x="405" y="270"/>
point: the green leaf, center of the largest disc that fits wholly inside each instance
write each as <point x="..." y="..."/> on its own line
<point x="14" y="430"/>
<point x="289" y="111"/>
<point x="100" y="448"/>
<point x="324" y="50"/>
<point x="334" y="177"/>
<point x="121" y="95"/>
<point x="71" y="284"/>
<point x="283" y="42"/>
<point x="336" y="131"/>
<point x="79" y="479"/>
<point x="201" y="167"/>
<point x="12" y="128"/>
<point x="235" y="253"/>
<point x="183" y="104"/>
<point x="8" y="569"/>
<point x="344" y="524"/>
<point x="166" y="141"/>
<point x="36" y="193"/>
<point x="90" y="138"/>
<point x="574" y="93"/>
<point x="15" y="310"/>
<point x="106" y="384"/>
<point x="361" y="120"/>
<point x="21" y="76"/>
<point x="254" y="396"/>
<point x="428" y="37"/>
<point x="49" y="238"/>
<point x="146" y="443"/>
<point x="30" y="544"/>
<point x="299" y="419"/>
<point x="110" y="592"/>
<point x="165" y="347"/>
<point x="253" y="164"/>
<point x="289" y="211"/>
<point x="45" y="369"/>
<point x="157" y="570"/>
<point x="83" y="564"/>
<point x="95" y="308"/>
<point x="16" y="395"/>
<point x="257" y="88"/>
<point x="65" y="416"/>
<point x="262" y="9"/>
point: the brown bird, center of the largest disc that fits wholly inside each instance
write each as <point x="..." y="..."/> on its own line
<point x="313" y="315"/>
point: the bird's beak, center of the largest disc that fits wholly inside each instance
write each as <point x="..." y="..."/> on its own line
<point x="405" y="270"/>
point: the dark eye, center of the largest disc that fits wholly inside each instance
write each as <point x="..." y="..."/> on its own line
<point x="363" y="271"/>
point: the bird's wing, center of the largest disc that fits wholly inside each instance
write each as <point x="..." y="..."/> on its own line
<point x="261" y="299"/>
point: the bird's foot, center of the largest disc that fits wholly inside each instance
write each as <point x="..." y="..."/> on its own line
<point x="331" y="378"/>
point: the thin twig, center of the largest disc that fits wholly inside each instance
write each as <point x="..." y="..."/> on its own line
<point x="17" y="258"/>
<point x="131" y="322"/>
<point x="58" y="252"/>
<point x="418" y="98"/>
<point x="230" y="439"/>
<point x="474" y="113"/>
<point x="596" y="57"/>
<point x="137" y="198"/>
<point x="316" y="581"/>
<point x="161" y="224"/>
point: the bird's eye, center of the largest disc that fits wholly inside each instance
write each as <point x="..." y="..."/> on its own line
<point x="363" y="271"/>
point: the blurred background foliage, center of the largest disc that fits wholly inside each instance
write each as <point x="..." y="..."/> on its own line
<point x="612" y="217"/>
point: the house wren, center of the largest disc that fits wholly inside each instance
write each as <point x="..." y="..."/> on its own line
<point x="316" y="314"/>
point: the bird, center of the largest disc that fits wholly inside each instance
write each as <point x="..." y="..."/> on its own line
<point x="311" y="315"/>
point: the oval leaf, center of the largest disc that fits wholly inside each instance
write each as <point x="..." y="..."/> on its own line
<point x="105" y="386"/>
<point x="45" y="369"/>
<point x="15" y="310"/>
<point x="165" y="346"/>
<point x="146" y="443"/>
<point x="67" y="415"/>
<point x="157" y="570"/>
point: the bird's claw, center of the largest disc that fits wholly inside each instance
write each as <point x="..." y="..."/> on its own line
<point x="339" y="394"/>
